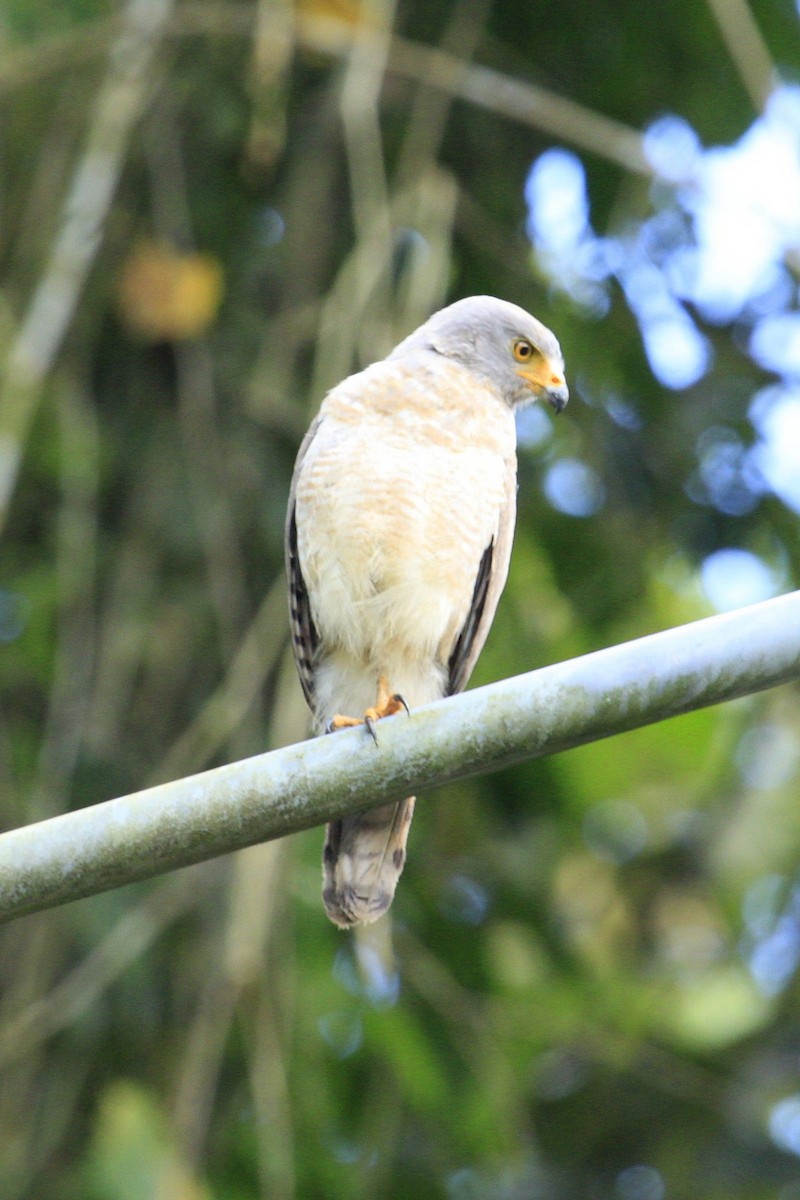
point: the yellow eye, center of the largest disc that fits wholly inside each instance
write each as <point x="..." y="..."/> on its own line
<point x="523" y="350"/>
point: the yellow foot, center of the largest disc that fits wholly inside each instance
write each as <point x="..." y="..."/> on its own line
<point x="339" y="722"/>
<point x="387" y="703"/>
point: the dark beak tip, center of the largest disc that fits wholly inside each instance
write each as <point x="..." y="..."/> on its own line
<point x="558" y="398"/>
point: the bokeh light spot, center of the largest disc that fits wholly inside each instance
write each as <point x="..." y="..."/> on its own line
<point x="772" y="946"/>
<point x="775" y="413"/>
<point x="534" y="426"/>
<point x="672" y="148"/>
<point x="639" y="1183"/>
<point x="465" y="900"/>
<point x="342" y="1031"/>
<point x="784" y="1124"/>
<point x="767" y="756"/>
<point x="775" y="344"/>
<point x="734" y="578"/>
<point x="558" y="207"/>
<point x="271" y="226"/>
<point x="574" y="488"/>
<point x="727" y="478"/>
<point x="678" y="355"/>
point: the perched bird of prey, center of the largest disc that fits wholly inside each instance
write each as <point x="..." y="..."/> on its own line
<point x="398" y="538"/>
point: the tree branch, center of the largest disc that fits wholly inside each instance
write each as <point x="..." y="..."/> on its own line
<point x="84" y="212"/>
<point x="543" y="712"/>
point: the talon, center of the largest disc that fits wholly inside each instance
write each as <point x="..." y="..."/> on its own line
<point x="386" y="705"/>
<point x="369" y="721"/>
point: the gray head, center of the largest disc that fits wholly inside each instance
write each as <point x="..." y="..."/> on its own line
<point x="499" y="342"/>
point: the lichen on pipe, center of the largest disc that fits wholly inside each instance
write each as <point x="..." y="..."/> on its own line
<point x="543" y="712"/>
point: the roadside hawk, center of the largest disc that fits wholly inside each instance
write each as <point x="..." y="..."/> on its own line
<point x="398" y="538"/>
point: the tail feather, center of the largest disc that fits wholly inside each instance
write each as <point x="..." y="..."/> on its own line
<point x="362" y="860"/>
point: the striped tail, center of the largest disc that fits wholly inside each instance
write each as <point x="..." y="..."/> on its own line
<point x="362" y="860"/>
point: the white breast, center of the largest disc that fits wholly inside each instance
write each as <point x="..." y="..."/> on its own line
<point x="397" y="499"/>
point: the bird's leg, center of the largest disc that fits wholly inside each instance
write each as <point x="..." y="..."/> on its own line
<point x="387" y="703"/>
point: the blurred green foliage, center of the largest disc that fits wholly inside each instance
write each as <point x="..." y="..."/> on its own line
<point x="589" y="987"/>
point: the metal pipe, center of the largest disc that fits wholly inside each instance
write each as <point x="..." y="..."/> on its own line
<point x="543" y="712"/>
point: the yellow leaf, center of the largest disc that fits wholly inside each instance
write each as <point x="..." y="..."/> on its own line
<point x="165" y="295"/>
<point x="349" y="12"/>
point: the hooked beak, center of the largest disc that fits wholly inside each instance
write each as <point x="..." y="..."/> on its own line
<point x="548" y="382"/>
